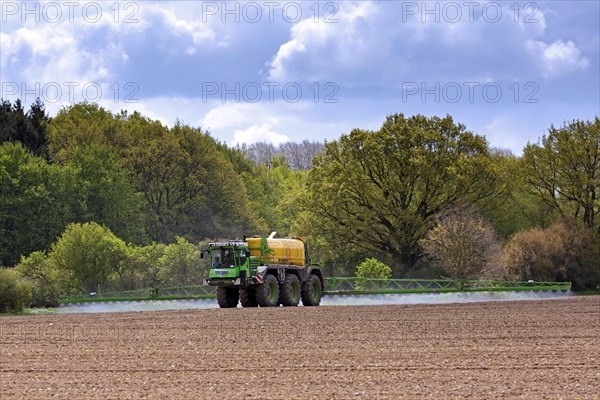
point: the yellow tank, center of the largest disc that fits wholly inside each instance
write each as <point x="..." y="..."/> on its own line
<point x="284" y="251"/>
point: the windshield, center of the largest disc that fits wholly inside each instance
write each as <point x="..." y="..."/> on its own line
<point x="227" y="257"/>
<point x="222" y="258"/>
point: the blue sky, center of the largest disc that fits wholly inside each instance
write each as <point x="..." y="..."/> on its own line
<point x="293" y="70"/>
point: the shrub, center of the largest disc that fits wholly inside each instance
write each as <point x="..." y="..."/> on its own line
<point x="49" y="283"/>
<point x="373" y="269"/>
<point x="463" y="245"/>
<point x="15" y="291"/>
<point x="566" y="251"/>
<point x="180" y="264"/>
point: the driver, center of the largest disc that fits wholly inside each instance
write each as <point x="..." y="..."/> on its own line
<point x="228" y="258"/>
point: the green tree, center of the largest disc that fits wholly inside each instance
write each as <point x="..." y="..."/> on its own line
<point x="37" y="200"/>
<point x="190" y="186"/>
<point x="109" y="197"/>
<point x="378" y="191"/>
<point x="28" y="128"/>
<point x="516" y="206"/>
<point x="82" y="124"/>
<point x="564" y="170"/>
<point x="91" y="253"/>
<point x="274" y="192"/>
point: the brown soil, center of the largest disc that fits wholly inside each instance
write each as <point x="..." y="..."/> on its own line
<point x="525" y="349"/>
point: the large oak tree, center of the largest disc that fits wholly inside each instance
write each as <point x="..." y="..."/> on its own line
<point x="379" y="190"/>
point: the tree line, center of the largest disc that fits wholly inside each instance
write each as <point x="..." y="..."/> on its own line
<point x="411" y="194"/>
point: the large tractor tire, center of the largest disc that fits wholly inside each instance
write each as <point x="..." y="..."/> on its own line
<point x="312" y="295"/>
<point x="289" y="292"/>
<point x="228" y="297"/>
<point x="267" y="293"/>
<point x="248" y="297"/>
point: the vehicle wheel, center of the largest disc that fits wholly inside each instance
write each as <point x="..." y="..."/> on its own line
<point x="267" y="293"/>
<point x="290" y="291"/>
<point x="248" y="297"/>
<point x="312" y="295"/>
<point x="228" y="297"/>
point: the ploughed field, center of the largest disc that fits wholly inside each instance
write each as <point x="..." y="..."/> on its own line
<point x="529" y="349"/>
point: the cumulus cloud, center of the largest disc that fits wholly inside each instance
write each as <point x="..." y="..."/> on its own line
<point x="259" y="133"/>
<point x="75" y="48"/>
<point x="381" y="43"/>
<point x="558" y="58"/>
<point x="313" y="46"/>
<point x="250" y="123"/>
<point x="45" y="54"/>
<point x="199" y="32"/>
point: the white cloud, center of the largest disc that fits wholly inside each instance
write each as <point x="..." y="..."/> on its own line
<point x="84" y="51"/>
<point x="378" y="43"/>
<point x="250" y="123"/>
<point x="276" y="122"/>
<point x="259" y="133"/>
<point x="229" y="115"/>
<point x="346" y="43"/>
<point x="558" y="58"/>
<point x="199" y="32"/>
<point x="286" y="51"/>
<point x="52" y="54"/>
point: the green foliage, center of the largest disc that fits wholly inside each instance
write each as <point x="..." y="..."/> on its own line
<point x="370" y="193"/>
<point x="91" y="253"/>
<point x="15" y="291"/>
<point x="181" y="264"/>
<point x="27" y="128"/>
<point x="378" y="191"/>
<point x="144" y="267"/>
<point x="187" y="182"/>
<point x="274" y="192"/>
<point x="37" y="200"/>
<point x="81" y="125"/>
<point x="89" y="258"/>
<point x="109" y="197"/>
<point x="220" y="207"/>
<point x="49" y="283"/>
<point x="565" y="251"/>
<point x="564" y="170"/>
<point x="373" y="269"/>
<point x="336" y="260"/>
<point x="140" y="179"/>
<point x="515" y="206"/>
